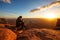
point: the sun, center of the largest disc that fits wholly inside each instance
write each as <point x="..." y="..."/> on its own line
<point x="50" y="16"/>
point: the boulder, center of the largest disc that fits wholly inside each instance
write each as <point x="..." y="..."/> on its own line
<point x="7" y="34"/>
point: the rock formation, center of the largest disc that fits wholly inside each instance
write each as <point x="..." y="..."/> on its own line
<point x="39" y="34"/>
<point x="6" y="34"/>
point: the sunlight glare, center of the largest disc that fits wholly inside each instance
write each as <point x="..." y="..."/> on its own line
<point x="50" y="16"/>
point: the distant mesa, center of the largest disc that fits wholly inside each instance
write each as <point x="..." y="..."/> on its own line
<point x="3" y="21"/>
<point x="58" y="24"/>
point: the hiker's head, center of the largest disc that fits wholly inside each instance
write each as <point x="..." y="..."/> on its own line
<point x="20" y="16"/>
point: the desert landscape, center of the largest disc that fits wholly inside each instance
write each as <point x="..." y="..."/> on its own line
<point x="35" y="22"/>
<point x="29" y="19"/>
<point x="37" y="29"/>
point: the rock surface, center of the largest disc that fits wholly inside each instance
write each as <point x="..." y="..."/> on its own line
<point x="6" y="34"/>
<point x="39" y="34"/>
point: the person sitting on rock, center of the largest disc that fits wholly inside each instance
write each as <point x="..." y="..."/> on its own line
<point x="19" y="23"/>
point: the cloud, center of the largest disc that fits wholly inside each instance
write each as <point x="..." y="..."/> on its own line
<point x="6" y="1"/>
<point x="58" y="0"/>
<point x="38" y="9"/>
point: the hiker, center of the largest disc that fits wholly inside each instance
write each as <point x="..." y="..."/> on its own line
<point x="19" y="23"/>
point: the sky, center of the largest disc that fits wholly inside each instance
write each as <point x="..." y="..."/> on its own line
<point x="28" y="8"/>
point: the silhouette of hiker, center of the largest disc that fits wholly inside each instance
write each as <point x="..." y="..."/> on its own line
<point x="19" y="23"/>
